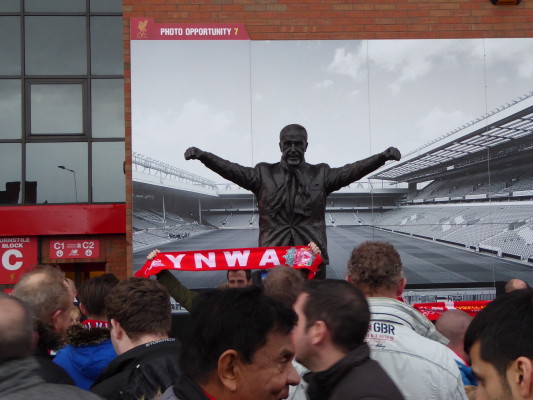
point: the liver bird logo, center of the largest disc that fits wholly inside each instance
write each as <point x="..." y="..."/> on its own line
<point x="142" y="25"/>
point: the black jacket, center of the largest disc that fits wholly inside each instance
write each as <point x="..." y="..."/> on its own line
<point x="186" y="389"/>
<point x="292" y="205"/>
<point x="49" y="371"/>
<point x="140" y="372"/>
<point x="356" y="376"/>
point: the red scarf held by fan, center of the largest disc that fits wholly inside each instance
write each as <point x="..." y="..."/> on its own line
<point x="297" y="257"/>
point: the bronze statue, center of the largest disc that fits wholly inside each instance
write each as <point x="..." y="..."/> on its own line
<point x="291" y="194"/>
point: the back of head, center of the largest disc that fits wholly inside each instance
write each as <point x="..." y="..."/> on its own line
<point x="16" y="329"/>
<point x="93" y="292"/>
<point x="504" y="329"/>
<point x="45" y="290"/>
<point x="453" y="325"/>
<point x="375" y="267"/>
<point x="238" y="319"/>
<point x="342" y="307"/>
<point x="515" y="284"/>
<point x="141" y="306"/>
<point x="283" y="284"/>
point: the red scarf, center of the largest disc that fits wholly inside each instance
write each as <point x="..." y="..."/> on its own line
<point x="92" y="323"/>
<point x="434" y="310"/>
<point x="297" y="257"/>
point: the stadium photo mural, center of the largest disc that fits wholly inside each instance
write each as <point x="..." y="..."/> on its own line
<point x="458" y="205"/>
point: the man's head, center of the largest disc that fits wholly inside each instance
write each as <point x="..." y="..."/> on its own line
<point x="453" y="325"/>
<point x="16" y="329"/>
<point x="239" y="278"/>
<point x="92" y="295"/>
<point x="293" y="144"/>
<point x="333" y="318"/>
<point x="239" y="345"/>
<point x="72" y="287"/>
<point x="377" y="270"/>
<point x="501" y="349"/>
<point x="138" y="310"/>
<point x="515" y="284"/>
<point x="283" y="284"/>
<point x="47" y="292"/>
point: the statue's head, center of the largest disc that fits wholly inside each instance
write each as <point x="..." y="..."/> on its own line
<point x="293" y="144"/>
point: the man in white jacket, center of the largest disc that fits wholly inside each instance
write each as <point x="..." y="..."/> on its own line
<point x="401" y="339"/>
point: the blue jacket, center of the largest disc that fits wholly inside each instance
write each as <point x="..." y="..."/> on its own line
<point x="89" y="352"/>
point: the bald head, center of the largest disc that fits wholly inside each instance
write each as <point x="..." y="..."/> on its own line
<point x="453" y="325"/>
<point x="46" y="291"/>
<point x="16" y="329"/>
<point x="515" y="284"/>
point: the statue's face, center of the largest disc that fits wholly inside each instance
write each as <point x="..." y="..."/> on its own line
<point x="293" y="146"/>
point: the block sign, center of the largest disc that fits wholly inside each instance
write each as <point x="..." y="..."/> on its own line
<point x="18" y="255"/>
<point x="74" y="248"/>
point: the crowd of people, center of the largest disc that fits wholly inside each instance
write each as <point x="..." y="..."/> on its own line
<point x="286" y="338"/>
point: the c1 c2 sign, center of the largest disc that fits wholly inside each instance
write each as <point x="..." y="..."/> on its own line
<point x="18" y="255"/>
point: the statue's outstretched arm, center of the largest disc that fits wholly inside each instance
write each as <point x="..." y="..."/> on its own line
<point x="245" y="177"/>
<point x="343" y="176"/>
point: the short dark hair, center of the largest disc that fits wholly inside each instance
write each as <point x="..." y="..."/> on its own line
<point x="141" y="306"/>
<point x="238" y="319"/>
<point x="92" y="293"/>
<point x="248" y="273"/>
<point x="342" y="307"/>
<point x="375" y="265"/>
<point x="504" y="329"/>
<point x="283" y="284"/>
<point x="292" y="127"/>
<point x="16" y="328"/>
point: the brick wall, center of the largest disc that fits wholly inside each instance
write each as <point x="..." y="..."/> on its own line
<point x="329" y="19"/>
<point x="112" y="253"/>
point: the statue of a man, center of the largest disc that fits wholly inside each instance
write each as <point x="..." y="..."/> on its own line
<point x="291" y="194"/>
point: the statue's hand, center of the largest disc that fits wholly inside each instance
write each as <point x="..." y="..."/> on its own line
<point x="193" y="153"/>
<point x="392" y="153"/>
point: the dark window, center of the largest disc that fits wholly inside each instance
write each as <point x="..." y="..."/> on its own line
<point x="106" y="6"/>
<point x="54" y="5"/>
<point x="10" y="109"/>
<point x="61" y="101"/>
<point x="56" y="184"/>
<point x="108" y="173"/>
<point x="106" y="46"/>
<point x="10" y="45"/>
<point x="56" y="108"/>
<point x="10" y="6"/>
<point x="10" y="178"/>
<point x="107" y="108"/>
<point x="56" y="46"/>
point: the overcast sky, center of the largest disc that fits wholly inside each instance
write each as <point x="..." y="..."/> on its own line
<point x="355" y="98"/>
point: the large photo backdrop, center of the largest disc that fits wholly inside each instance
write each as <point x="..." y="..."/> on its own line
<point x="217" y="90"/>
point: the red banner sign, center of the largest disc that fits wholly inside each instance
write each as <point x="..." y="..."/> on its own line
<point x="227" y="259"/>
<point x="434" y="310"/>
<point x="18" y="255"/>
<point x="148" y="29"/>
<point x="74" y="249"/>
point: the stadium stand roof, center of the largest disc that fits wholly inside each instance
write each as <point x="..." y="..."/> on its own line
<point x="511" y="124"/>
<point x="152" y="167"/>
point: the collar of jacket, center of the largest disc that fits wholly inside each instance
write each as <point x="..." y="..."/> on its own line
<point x="394" y="311"/>
<point x="79" y="335"/>
<point x="322" y="383"/>
<point x="138" y="355"/>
